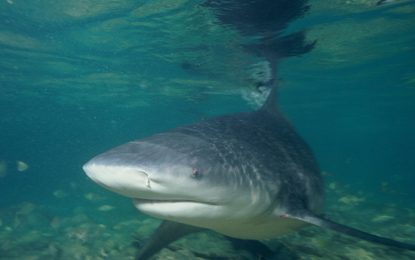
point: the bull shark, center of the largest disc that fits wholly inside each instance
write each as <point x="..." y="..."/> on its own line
<point x="248" y="176"/>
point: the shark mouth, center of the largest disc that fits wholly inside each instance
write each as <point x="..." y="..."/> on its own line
<point x="176" y="210"/>
<point x="154" y="201"/>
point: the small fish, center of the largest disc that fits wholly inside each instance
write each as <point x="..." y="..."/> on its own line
<point x="21" y="166"/>
<point x="60" y="194"/>
<point x="106" y="208"/>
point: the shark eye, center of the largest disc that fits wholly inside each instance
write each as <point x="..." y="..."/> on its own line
<point x="196" y="173"/>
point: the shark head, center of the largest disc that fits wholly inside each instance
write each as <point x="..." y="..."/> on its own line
<point x="176" y="177"/>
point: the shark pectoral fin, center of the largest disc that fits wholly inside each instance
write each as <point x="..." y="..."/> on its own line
<point x="166" y="233"/>
<point x="326" y="223"/>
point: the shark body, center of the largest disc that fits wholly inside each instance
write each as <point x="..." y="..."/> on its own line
<point x="247" y="176"/>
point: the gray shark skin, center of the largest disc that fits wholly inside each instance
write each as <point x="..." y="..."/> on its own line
<point x="247" y="176"/>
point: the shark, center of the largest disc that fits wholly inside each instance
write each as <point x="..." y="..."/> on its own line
<point x="249" y="176"/>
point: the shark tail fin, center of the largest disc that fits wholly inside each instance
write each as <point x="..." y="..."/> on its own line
<point x="328" y="224"/>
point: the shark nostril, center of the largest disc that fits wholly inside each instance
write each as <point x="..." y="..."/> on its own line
<point x="148" y="182"/>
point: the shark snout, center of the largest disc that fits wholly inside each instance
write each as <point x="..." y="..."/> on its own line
<point x="124" y="180"/>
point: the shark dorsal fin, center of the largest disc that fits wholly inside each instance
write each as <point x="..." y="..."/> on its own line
<point x="270" y="104"/>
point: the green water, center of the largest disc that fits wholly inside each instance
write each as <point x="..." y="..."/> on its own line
<point x="80" y="77"/>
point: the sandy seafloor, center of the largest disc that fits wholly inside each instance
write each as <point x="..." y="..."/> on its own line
<point x="108" y="229"/>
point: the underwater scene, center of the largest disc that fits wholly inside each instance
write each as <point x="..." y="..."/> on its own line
<point x="80" y="77"/>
